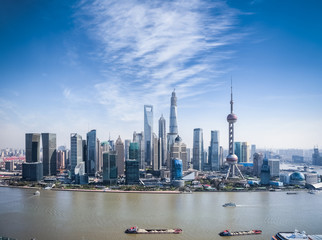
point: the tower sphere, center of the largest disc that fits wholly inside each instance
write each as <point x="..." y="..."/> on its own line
<point x="231" y="118"/>
<point x="232" y="158"/>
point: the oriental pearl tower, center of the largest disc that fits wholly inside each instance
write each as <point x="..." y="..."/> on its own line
<point x="232" y="159"/>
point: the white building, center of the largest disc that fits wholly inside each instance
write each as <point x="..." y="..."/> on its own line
<point x="274" y="165"/>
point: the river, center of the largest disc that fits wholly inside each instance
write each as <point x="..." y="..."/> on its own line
<point x="97" y="216"/>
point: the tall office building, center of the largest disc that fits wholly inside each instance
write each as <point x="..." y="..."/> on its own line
<point x="61" y="159"/>
<point x="173" y="125"/>
<point x="244" y="152"/>
<point x="126" y="148"/>
<point x="213" y="161"/>
<point x="156" y="163"/>
<point x="163" y="140"/>
<point x="252" y="151"/>
<point x="134" y="151"/>
<point x="148" y="130"/>
<point x="91" y="152"/>
<point x="132" y="173"/>
<point x="265" y="172"/>
<point x="49" y="154"/>
<point x="32" y="169"/>
<point x="176" y="169"/>
<point x="238" y="150"/>
<point x="110" y="169"/>
<point x="76" y="151"/>
<point x="274" y="165"/>
<point x="197" y="152"/>
<point x="178" y="150"/>
<point x="232" y="159"/>
<point x="99" y="163"/>
<point x="139" y="138"/>
<point x="32" y="147"/>
<point x="316" y="157"/>
<point x="84" y="144"/>
<point x="188" y="157"/>
<point x="119" y="148"/>
<point x="257" y="163"/>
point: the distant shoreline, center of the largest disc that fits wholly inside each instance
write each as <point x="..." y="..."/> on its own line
<point x="150" y="192"/>
<point x="95" y="190"/>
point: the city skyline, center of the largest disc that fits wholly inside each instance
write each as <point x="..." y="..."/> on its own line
<point x="70" y="67"/>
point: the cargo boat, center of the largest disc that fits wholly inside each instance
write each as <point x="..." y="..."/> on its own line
<point x="227" y="233"/>
<point x="136" y="230"/>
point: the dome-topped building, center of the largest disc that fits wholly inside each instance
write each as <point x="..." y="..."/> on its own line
<point x="297" y="178"/>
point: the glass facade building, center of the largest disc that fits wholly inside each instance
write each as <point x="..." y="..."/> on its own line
<point x="32" y="147"/>
<point x="213" y="155"/>
<point x="163" y="140"/>
<point x="110" y="167"/>
<point x="197" y="154"/>
<point x="91" y="152"/>
<point x="132" y="173"/>
<point x="49" y="154"/>
<point x="119" y="147"/>
<point x="176" y="169"/>
<point x="265" y="172"/>
<point x="76" y="152"/>
<point x="148" y="130"/>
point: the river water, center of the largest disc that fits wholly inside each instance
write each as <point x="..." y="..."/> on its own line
<point x="91" y="215"/>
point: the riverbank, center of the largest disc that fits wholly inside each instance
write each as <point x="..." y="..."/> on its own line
<point x="95" y="190"/>
<point x="105" y="190"/>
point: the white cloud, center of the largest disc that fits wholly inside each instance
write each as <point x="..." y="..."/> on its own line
<point x="150" y="47"/>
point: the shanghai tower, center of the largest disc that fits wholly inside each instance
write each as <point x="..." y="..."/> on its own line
<point x="173" y="126"/>
<point x="232" y="158"/>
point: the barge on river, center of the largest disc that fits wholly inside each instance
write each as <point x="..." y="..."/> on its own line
<point x="227" y="233"/>
<point x="136" y="230"/>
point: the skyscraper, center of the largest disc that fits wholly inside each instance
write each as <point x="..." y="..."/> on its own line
<point x="148" y="130"/>
<point x="244" y="152"/>
<point x="49" y="154"/>
<point x="126" y="148"/>
<point x="178" y="150"/>
<point x="99" y="162"/>
<point x="32" y="147"/>
<point x="91" y="152"/>
<point x="232" y="158"/>
<point x="156" y="164"/>
<point x="197" y="152"/>
<point x="119" y="147"/>
<point x="134" y="151"/>
<point x="76" y="151"/>
<point x="163" y="140"/>
<point x="61" y="159"/>
<point x="138" y="138"/>
<point x="265" y="172"/>
<point x="173" y="126"/>
<point x="110" y="170"/>
<point x="257" y="163"/>
<point x="214" y="151"/>
<point x="32" y="169"/>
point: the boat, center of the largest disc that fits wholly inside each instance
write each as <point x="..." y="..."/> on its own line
<point x="228" y="233"/>
<point x="37" y="193"/>
<point x="291" y="193"/>
<point x="136" y="230"/>
<point x="295" y="235"/>
<point x="230" y="204"/>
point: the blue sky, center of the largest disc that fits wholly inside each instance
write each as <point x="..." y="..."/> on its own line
<point x="73" y="66"/>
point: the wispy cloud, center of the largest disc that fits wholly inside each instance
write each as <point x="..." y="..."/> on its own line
<point x="150" y="47"/>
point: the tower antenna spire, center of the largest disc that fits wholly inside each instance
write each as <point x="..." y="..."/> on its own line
<point x="231" y="95"/>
